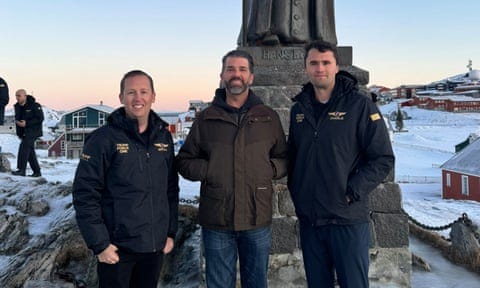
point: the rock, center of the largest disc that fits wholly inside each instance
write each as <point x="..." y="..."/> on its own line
<point x="39" y="208"/>
<point x="4" y="163"/>
<point x="13" y="233"/>
<point x="419" y="262"/>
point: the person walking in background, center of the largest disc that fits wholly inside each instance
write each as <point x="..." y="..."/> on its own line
<point x="235" y="148"/>
<point x="28" y="123"/>
<point x="4" y="98"/>
<point x="339" y="151"/>
<point x="125" y="191"/>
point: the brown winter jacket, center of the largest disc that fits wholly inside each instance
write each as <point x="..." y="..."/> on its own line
<point x="235" y="155"/>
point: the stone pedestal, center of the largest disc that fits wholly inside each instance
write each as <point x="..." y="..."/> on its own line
<point x="284" y="66"/>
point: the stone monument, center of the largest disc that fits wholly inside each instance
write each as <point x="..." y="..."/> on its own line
<point x="274" y="33"/>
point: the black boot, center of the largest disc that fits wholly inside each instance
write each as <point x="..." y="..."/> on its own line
<point x="19" y="172"/>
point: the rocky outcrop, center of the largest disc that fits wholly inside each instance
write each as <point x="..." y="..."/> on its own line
<point x="41" y="246"/>
<point x="4" y="162"/>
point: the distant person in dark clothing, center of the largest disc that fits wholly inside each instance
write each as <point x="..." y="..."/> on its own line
<point x="28" y="122"/>
<point x="3" y="99"/>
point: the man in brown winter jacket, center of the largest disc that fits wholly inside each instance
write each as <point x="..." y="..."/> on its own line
<point x="235" y="148"/>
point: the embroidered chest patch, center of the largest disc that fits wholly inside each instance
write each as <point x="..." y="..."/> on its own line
<point x="162" y="147"/>
<point x="336" y="115"/>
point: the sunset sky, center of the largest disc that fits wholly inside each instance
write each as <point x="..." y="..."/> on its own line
<point x="68" y="53"/>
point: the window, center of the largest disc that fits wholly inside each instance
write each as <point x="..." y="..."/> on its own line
<point x="101" y="118"/>
<point x="77" y="137"/>
<point x="62" y="145"/>
<point x="465" y="185"/>
<point x="79" y="119"/>
<point x="448" y="180"/>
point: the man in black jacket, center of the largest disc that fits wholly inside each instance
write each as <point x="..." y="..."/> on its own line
<point x="4" y="98"/>
<point x="339" y="151"/>
<point x="28" y="122"/>
<point x="125" y="191"/>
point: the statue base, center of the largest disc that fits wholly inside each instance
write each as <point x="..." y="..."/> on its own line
<point x="284" y="66"/>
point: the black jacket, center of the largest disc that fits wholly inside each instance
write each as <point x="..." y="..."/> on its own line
<point x="347" y="152"/>
<point x="32" y="113"/>
<point x="4" y="98"/>
<point x="125" y="191"/>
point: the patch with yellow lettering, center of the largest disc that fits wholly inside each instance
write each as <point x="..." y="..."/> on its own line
<point x="375" y="117"/>
<point x="337" y="115"/>
<point x="299" y="118"/>
<point x="85" y="157"/>
<point x="162" y="147"/>
<point x="122" y="148"/>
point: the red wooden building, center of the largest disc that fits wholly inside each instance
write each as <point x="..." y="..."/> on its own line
<point x="451" y="103"/>
<point x="57" y="148"/>
<point x="461" y="174"/>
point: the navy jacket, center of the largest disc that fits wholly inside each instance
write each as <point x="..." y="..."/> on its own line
<point x="3" y="92"/>
<point x="347" y="152"/>
<point x="125" y="191"/>
<point x="32" y="113"/>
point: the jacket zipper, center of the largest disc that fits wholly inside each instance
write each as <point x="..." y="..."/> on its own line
<point x="149" y="184"/>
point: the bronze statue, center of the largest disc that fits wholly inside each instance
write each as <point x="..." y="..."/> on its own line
<point x="274" y="22"/>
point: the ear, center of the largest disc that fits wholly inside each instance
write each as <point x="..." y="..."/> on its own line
<point x="120" y="97"/>
<point x="153" y="97"/>
<point x="250" y="80"/>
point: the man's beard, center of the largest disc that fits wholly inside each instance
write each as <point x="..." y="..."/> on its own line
<point x="236" y="90"/>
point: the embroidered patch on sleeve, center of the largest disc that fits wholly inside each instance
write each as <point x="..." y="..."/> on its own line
<point x="85" y="157"/>
<point x="375" y="117"/>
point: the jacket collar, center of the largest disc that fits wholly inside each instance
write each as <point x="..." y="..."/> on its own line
<point x="119" y="119"/>
<point x="344" y="83"/>
<point x="220" y="101"/>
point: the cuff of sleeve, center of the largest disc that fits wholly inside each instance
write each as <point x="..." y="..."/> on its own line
<point x="352" y="195"/>
<point x="99" y="248"/>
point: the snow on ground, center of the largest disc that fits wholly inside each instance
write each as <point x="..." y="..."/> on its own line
<point x="429" y="141"/>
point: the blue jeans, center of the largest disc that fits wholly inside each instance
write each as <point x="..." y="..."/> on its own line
<point x="221" y="250"/>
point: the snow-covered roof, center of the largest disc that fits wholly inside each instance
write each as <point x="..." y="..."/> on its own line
<point x="465" y="161"/>
<point x="184" y="115"/>
<point x="101" y="108"/>
<point x="170" y="119"/>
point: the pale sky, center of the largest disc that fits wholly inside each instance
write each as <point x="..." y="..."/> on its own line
<point x="68" y="53"/>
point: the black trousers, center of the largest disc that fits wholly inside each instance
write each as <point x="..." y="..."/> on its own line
<point x="134" y="270"/>
<point x="340" y="249"/>
<point x="2" y="114"/>
<point x="26" y="153"/>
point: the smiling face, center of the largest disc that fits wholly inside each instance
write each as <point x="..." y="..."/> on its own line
<point x="137" y="97"/>
<point x="321" y="68"/>
<point x="236" y="76"/>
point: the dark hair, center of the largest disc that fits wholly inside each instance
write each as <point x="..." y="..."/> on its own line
<point x="134" y="73"/>
<point x="241" y="54"/>
<point x="321" y="46"/>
